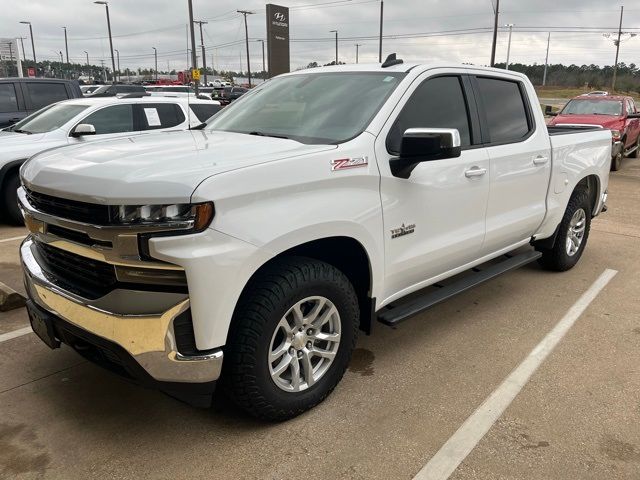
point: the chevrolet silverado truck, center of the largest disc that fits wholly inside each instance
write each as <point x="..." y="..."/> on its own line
<point x="251" y="251"/>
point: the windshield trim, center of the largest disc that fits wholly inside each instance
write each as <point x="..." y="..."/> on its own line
<point x="317" y="140"/>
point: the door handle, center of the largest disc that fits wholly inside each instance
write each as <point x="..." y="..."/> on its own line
<point x="475" y="172"/>
<point x="540" y="160"/>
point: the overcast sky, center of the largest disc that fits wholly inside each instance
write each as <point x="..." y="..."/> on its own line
<point x="138" y="25"/>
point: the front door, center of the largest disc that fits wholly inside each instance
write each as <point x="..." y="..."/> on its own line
<point x="434" y="221"/>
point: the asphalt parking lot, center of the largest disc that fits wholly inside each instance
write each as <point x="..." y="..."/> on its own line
<point x="405" y="394"/>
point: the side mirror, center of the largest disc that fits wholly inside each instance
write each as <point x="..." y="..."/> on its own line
<point x="548" y="112"/>
<point x="83" y="129"/>
<point x="423" y="145"/>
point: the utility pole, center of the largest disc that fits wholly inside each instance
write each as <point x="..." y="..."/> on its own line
<point x="510" y="25"/>
<point x="155" y="56"/>
<point x="336" y="32"/>
<point x="495" y="33"/>
<point x="204" y="58"/>
<point x="264" y="65"/>
<point x="358" y="45"/>
<point x="546" y="61"/>
<point x="615" y="67"/>
<point x="33" y="46"/>
<point x="380" y="42"/>
<point x="87" y="54"/>
<point x="11" y="58"/>
<point x="194" y="61"/>
<point x="113" y="60"/>
<point x="118" y="62"/>
<point x="66" y="44"/>
<point x="246" y="39"/>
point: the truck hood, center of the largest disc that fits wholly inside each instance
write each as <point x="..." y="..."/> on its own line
<point x="605" y="121"/>
<point x="157" y="168"/>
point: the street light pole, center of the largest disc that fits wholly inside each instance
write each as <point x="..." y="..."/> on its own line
<point x="380" y="41"/>
<point x="336" y="32"/>
<point x="495" y="33"/>
<point x="510" y="25"/>
<point x="155" y="56"/>
<point x="118" y="62"/>
<point x="246" y="39"/>
<point x="264" y="65"/>
<point x="33" y="46"/>
<point x="358" y="45"/>
<point x="66" y="44"/>
<point x="204" y="57"/>
<point x="87" y="53"/>
<point x="113" y="61"/>
<point x="194" y="61"/>
<point x="546" y="61"/>
<point x="615" y="66"/>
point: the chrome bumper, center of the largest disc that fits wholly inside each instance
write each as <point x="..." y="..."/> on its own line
<point x="148" y="338"/>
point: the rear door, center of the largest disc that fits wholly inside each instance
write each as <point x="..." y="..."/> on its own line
<point x="110" y="122"/>
<point x="434" y="221"/>
<point x="520" y="152"/>
<point x="11" y="106"/>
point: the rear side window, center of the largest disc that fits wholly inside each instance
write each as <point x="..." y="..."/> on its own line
<point x="43" y="94"/>
<point x="161" y="115"/>
<point x="205" y="111"/>
<point x="437" y="103"/>
<point x="115" y="119"/>
<point x="8" y="98"/>
<point x="505" y="110"/>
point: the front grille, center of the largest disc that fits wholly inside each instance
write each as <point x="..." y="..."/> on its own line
<point x="70" y="209"/>
<point x="77" y="274"/>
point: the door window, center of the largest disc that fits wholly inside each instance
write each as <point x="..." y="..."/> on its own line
<point x="115" y="119"/>
<point x="8" y="98"/>
<point x="43" y="94"/>
<point x="505" y="110"/>
<point x="161" y="115"/>
<point x="437" y="103"/>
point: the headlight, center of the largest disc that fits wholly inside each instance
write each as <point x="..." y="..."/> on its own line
<point x="194" y="217"/>
<point x="615" y="134"/>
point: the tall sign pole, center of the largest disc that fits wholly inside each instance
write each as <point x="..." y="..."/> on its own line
<point x="615" y="67"/>
<point x="194" y="64"/>
<point x="495" y="33"/>
<point x="380" y="41"/>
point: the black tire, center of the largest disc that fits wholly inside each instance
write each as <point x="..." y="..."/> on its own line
<point x="246" y="376"/>
<point x="10" y="199"/>
<point x="616" y="162"/>
<point x="636" y="152"/>
<point x="557" y="258"/>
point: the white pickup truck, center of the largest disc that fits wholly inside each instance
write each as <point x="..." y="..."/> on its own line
<point x="250" y="252"/>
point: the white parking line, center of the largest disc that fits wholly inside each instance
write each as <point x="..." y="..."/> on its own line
<point x="12" y="239"/>
<point x="456" y="449"/>
<point x="15" y="334"/>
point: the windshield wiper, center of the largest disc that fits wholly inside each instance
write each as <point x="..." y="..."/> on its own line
<point x="199" y="127"/>
<point x="19" y="130"/>
<point x="263" y="134"/>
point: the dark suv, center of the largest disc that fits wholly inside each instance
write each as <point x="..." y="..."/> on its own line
<point x="113" y="90"/>
<point x="20" y="97"/>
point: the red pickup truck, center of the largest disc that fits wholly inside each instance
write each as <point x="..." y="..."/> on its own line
<point x="615" y="112"/>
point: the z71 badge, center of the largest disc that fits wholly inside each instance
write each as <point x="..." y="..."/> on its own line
<point x="403" y="230"/>
<point x="345" y="163"/>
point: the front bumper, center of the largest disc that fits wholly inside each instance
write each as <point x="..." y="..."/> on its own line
<point x="149" y="340"/>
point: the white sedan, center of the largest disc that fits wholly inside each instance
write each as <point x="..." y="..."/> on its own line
<point x="86" y="120"/>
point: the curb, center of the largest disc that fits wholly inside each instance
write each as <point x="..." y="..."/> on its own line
<point x="10" y="299"/>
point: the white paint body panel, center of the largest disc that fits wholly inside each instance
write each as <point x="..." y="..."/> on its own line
<point x="272" y="194"/>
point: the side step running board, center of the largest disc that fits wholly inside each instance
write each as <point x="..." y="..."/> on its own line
<point x="396" y="314"/>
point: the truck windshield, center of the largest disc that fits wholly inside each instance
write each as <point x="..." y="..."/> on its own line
<point x="593" y="107"/>
<point x="48" y="119"/>
<point x="312" y="108"/>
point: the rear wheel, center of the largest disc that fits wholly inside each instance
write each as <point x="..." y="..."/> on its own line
<point x="572" y="234"/>
<point x="291" y="338"/>
<point x="10" y="199"/>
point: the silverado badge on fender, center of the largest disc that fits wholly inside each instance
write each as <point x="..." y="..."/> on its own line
<point x="403" y="230"/>
<point x="345" y="163"/>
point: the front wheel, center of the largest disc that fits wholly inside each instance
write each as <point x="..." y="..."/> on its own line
<point x="291" y="338"/>
<point x="10" y="199"/>
<point x="572" y="234"/>
<point x="616" y="162"/>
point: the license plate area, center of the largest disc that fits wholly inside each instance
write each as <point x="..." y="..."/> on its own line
<point x="42" y="325"/>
